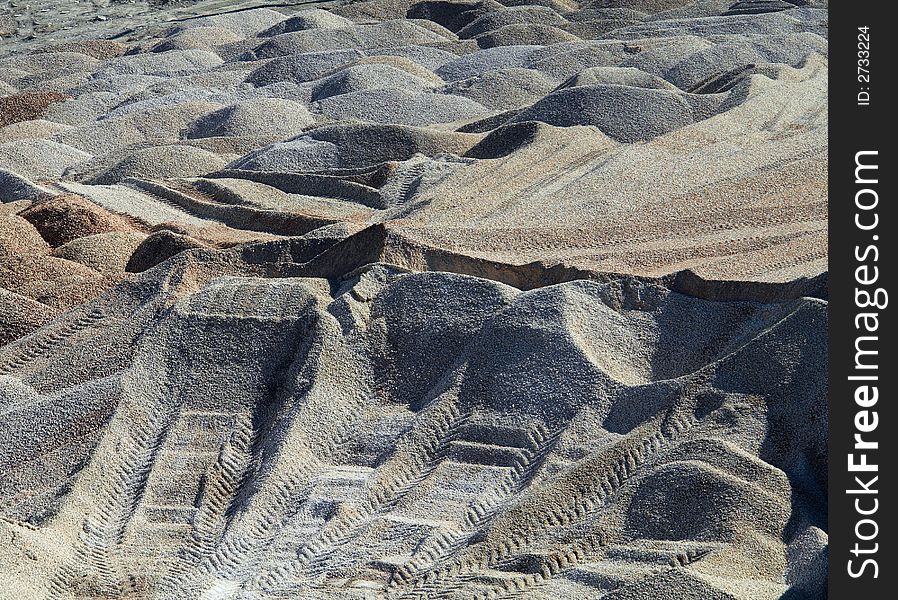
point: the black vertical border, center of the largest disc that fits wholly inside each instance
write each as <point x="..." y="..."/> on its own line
<point x="855" y="128"/>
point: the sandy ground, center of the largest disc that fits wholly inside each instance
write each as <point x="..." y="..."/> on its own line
<point x="380" y="300"/>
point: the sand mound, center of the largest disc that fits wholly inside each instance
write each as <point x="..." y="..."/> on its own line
<point x="644" y="6"/>
<point x="99" y="49"/>
<point x="197" y="38"/>
<point x="308" y="19"/>
<point x="352" y="146"/>
<point x="335" y="303"/>
<point x="154" y="125"/>
<point x="46" y="65"/>
<point x="427" y="56"/>
<point x="40" y="159"/>
<point x="477" y="63"/>
<point x="15" y="187"/>
<point x="503" y="89"/>
<point x="36" y="128"/>
<point x="453" y="15"/>
<point x="627" y="114"/>
<point x="82" y="110"/>
<point x="399" y="106"/>
<point x="105" y="253"/>
<point x="504" y="140"/>
<point x="20" y="316"/>
<point x="368" y="76"/>
<point x="524" y="34"/>
<point x="516" y="15"/>
<point x="396" y="58"/>
<point x="626" y="76"/>
<point x="358" y="37"/>
<point x="27" y="106"/>
<point x="159" y="246"/>
<point x="538" y="444"/>
<point x="272" y="117"/>
<point x="57" y="283"/>
<point x="808" y="20"/>
<point x="791" y="49"/>
<point x="19" y="237"/>
<point x="67" y="217"/>
<point x="756" y="7"/>
<point x="173" y="63"/>
<point x="159" y="162"/>
<point x="245" y="22"/>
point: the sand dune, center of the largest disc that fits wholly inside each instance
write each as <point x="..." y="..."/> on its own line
<point x="406" y="300"/>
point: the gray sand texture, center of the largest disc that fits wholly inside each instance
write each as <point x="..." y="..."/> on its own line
<point x="413" y="300"/>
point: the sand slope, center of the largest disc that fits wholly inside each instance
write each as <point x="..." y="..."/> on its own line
<point x="391" y="299"/>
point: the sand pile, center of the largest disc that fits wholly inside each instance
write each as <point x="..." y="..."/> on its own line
<point x="40" y="159"/>
<point x="513" y="15"/>
<point x="347" y="146"/>
<point x="247" y="23"/>
<point x="453" y="15"/>
<point x="197" y="38"/>
<point x="273" y="117"/>
<point x="438" y="427"/>
<point x="25" y="107"/>
<point x="483" y="61"/>
<point x="504" y="89"/>
<point x="368" y="76"/>
<point x="36" y="128"/>
<point x="99" y="49"/>
<point x="64" y="218"/>
<point x="15" y="187"/>
<point x="410" y="299"/>
<point x="105" y="253"/>
<point x="20" y="316"/>
<point x="49" y="284"/>
<point x="399" y="106"/>
<point x="159" y="162"/>
<point x="308" y="19"/>
<point x="626" y="114"/>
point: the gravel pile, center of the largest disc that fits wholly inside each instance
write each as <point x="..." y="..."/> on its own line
<point x="347" y="146"/>
<point x="197" y="38"/>
<point x="246" y="23"/>
<point x="515" y="15"/>
<point x="524" y="35"/>
<point x="267" y="117"/>
<point x="40" y="159"/>
<point x="16" y="187"/>
<point x="27" y="106"/>
<point x="369" y="76"/>
<point x="105" y="253"/>
<point x="99" y="49"/>
<point x="627" y="76"/>
<point x="504" y="89"/>
<point x="414" y="298"/>
<point x="301" y="67"/>
<point x="358" y="37"/>
<point x="160" y="162"/>
<point x="173" y="63"/>
<point x="482" y="61"/>
<point x="453" y="15"/>
<point x="308" y="19"/>
<point x="68" y="217"/>
<point x="626" y="114"/>
<point x="399" y="106"/>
